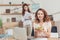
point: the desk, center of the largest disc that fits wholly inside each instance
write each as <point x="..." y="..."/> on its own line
<point x="9" y="38"/>
<point x="32" y="39"/>
<point x="45" y="39"/>
<point x="52" y="38"/>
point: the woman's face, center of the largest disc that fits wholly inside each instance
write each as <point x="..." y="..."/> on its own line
<point x="26" y="8"/>
<point x="40" y="15"/>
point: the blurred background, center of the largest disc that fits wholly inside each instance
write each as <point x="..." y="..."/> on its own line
<point x="10" y="12"/>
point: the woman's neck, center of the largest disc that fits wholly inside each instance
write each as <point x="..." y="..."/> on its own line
<point x="41" y="21"/>
<point x="26" y="11"/>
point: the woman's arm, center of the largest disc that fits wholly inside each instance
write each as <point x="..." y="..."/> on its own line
<point x="35" y="31"/>
<point x="48" y="30"/>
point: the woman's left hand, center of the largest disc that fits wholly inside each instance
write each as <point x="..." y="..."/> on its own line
<point x="47" y="34"/>
<point x="43" y="31"/>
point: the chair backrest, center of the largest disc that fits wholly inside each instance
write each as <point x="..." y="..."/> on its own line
<point x="20" y="33"/>
<point x="20" y="24"/>
<point x="54" y="29"/>
<point x="32" y="32"/>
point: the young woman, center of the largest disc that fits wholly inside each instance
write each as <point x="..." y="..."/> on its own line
<point x="42" y="24"/>
<point x="27" y="19"/>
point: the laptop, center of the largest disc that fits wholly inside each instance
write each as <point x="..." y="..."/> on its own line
<point x="19" y="33"/>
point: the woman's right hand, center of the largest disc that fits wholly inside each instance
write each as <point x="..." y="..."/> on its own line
<point x="37" y="32"/>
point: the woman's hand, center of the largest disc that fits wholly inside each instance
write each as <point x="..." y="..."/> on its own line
<point x="43" y="30"/>
<point x="37" y="30"/>
<point x="36" y="33"/>
<point x="47" y="33"/>
<point x="30" y="17"/>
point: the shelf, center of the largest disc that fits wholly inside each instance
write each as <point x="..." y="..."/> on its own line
<point x="11" y="14"/>
<point x="11" y="4"/>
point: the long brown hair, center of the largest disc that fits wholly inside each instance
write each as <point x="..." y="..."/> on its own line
<point x="23" y="10"/>
<point x="46" y="17"/>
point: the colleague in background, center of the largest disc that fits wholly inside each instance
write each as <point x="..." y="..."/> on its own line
<point x="27" y="19"/>
<point x="42" y="24"/>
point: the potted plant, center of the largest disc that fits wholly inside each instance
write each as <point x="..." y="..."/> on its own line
<point x="1" y="28"/>
<point x="0" y="23"/>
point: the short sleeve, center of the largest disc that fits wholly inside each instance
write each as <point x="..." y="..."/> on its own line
<point x="49" y="24"/>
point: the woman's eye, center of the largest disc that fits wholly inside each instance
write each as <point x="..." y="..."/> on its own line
<point x="41" y="14"/>
<point x="38" y="13"/>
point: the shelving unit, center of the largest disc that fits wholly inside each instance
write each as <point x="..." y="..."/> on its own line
<point x="11" y="5"/>
<point x="9" y="16"/>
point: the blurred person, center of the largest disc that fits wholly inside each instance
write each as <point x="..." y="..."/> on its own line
<point x="27" y="19"/>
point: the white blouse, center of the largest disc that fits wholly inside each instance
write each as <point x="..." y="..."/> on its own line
<point x="26" y="16"/>
<point x="26" y="20"/>
<point x="45" y="26"/>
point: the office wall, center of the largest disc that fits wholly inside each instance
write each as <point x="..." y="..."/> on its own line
<point x="5" y="17"/>
<point x="52" y="6"/>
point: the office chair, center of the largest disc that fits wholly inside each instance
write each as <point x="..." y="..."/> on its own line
<point x="54" y="29"/>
